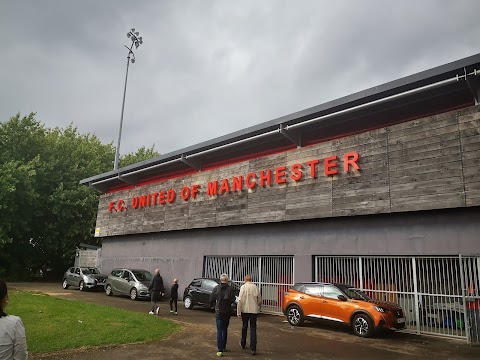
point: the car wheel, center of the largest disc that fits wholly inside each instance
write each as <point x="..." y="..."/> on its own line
<point x="133" y="294"/>
<point x="188" y="303"/>
<point x="362" y="325"/>
<point x="81" y="286"/>
<point x="295" y="315"/>
<point x="108" y="290"/>
<point x="65" y="284"/>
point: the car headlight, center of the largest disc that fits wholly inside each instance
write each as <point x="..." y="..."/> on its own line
<point x="142" y="287"/>
<point x="380" y="309"/>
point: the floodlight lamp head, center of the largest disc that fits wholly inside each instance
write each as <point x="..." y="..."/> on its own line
<point x="132" y="60"/>
<point x="128" y="35"/>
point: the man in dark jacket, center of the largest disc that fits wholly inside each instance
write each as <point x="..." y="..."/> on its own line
<point x="156" y="288"/>
<point x="222" y="298"/>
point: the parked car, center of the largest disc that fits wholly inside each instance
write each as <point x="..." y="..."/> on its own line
<point x="84" y="278"/>
<point x="130" y="282"/>
<point x="199" y="290"/>
<point x="341" y="303"/>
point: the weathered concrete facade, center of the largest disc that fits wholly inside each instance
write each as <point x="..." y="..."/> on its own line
<point x="181" y="254"/>
<point x="428" y="163"/>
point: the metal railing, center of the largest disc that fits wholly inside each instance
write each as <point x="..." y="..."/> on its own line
<point x="272" y="274"/>
<point x="439" y="295"/>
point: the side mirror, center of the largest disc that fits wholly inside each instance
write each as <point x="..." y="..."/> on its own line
<point x="342" y="297"/>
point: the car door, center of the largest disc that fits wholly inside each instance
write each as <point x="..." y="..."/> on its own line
<point x="76" y="277"/>
<point x="206" y="290"/>
<point x="195" y="290"/>
<point x="310" y="300"/>
<point x="332" y="308"/>
<point x="122" y="282"/>
<point x="116" y="280"/>
<point x="69" y="276"/>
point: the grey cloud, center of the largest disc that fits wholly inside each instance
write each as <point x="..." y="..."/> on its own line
<point x="208" y="68"/>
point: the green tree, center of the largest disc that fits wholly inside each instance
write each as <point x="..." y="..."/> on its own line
<point x="141" y="154"/>
<point x="44" y="211"/>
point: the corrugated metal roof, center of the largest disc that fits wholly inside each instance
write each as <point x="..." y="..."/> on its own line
<point x="450" y="86"/>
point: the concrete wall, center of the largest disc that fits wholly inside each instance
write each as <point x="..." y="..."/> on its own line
<point x="87" y="258"/>
<point x="180" y="254"/>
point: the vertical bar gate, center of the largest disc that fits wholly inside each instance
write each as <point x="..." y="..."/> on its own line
<point x="439" y="295"/>
<point x="272" y="274"/>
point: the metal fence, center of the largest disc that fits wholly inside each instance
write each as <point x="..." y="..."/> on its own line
<point x="439" y="295"/>
<point x="272" y="274"/>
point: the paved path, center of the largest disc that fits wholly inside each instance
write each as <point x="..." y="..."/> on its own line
<point x="277" y="339"/>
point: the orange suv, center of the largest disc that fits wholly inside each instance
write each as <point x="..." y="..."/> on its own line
<point x="341" y="303"/>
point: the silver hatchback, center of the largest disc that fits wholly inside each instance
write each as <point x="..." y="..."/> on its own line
<point x="84" y="278"/>
<point x="130" y="282"/>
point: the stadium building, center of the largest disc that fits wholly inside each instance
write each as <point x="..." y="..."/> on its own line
<point x="379" y="189"/>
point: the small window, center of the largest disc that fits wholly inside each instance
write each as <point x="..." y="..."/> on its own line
<point x="196" y="283"/>
<point x="209" y="284"/>
<point x="71" y="269"/>
<point x="331" y="292"/>
<point x="77" y="271"/>
<point x="313" y="290"/>
<point x="117" y="272"/>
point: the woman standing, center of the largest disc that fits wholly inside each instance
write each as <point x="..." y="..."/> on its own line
<point x="13" y="343"/>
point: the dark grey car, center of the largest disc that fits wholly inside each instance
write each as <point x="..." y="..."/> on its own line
<point x="130" y="282"/>
<point x="84" y="278"/>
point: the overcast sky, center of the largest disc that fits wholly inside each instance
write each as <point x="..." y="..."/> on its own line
<point x="209" y="68"/>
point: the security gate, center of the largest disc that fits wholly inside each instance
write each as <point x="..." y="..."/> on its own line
<point x="439" y="295"/>
<point x="272" y="274"/>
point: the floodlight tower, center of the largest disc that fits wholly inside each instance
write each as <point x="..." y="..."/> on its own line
<point x="137" y="41"/>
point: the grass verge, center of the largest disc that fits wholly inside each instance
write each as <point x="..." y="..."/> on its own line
<point x="53" y="324"/>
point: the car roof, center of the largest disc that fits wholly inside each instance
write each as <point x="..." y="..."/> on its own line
<point x="321" y="283"/>
<point x="131" y="269"/>
<point x="207" y="278"/>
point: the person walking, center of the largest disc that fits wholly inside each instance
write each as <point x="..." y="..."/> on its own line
<point x="174" y="296"/>
<point x="222" y="298"/>
<point x="13" y="342"/>
<point x="248" y="306"/>
<point x="156" y="288"/>
<point x="472" y="304"/>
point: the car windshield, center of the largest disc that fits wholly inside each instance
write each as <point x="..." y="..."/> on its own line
<point x="89" y="271"/>
<point x="353" y="293"/>
<point x="234" y="285"/>
<point x="142" y="275"/>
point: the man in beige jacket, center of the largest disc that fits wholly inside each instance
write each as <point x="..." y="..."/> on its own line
<point x="248" y="306"/>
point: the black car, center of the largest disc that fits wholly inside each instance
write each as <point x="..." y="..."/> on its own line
<point x="199" y="290"/>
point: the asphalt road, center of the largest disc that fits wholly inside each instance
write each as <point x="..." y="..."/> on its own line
<point x="276" y="338"/>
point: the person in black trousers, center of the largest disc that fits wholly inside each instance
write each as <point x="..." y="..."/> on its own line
<point x="156" y="287"/>
<point x="174" y="296"/>
<point x="222" y="298"/>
